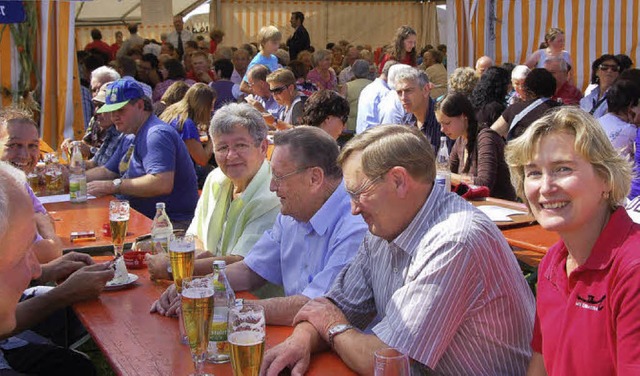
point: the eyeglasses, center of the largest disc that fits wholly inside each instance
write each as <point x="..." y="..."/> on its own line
<point x="239" y="148"/>
<point x="609" y="67"/>
<point x="355" y="195"/>
<point x="278" y="90"/>
<point x="278" y="179"/>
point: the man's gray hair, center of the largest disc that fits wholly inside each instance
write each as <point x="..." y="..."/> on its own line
<point x="243" y="115"/>
<point x="393" y="73"/>
<point x="9" y="176"/>
<point x="414" y="75"/>
<point x="105" y="74"/>
<point x="360" y="68"/>
<point x="561" y="63"/>
<point x="520" y="72"/>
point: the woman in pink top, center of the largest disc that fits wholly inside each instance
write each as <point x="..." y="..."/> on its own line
<point x="322" y="75"/>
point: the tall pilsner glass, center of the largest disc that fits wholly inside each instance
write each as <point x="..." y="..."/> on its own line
<point x="182" y="254"/>
<point x="197" y="310"/>
<point x="119" y="220"/>
<point x="246" y="337"/>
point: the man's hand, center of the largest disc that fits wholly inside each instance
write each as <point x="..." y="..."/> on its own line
<point x="87" y="283"/>
<point x="168" y="303"/>
<point x="203" y="76"/>
<point x="157" y="266"/>
<point x="322" y="314"/>
<point x="294" y="353"/>
<point x="59" y="269"/>
<point x="101" y="188"/>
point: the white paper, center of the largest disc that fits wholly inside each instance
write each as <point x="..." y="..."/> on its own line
<point x="58" y="198"/>
<point x="499" y="213"/>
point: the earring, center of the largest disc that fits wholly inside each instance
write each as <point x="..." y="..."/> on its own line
<point x="605" y="195"/>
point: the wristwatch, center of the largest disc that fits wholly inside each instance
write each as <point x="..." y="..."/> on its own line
<point x="337" y="329"/>
<point x="116" y="184"/>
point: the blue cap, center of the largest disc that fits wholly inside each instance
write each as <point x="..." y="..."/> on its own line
<point x="119" y="93"/>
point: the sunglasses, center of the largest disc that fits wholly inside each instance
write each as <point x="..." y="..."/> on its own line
<point x="609" y="67"/>
<point x="278" y="89"/>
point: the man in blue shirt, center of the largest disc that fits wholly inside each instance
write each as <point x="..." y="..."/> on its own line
<point x="313" y="237"/>
<point x="151" y="164"/>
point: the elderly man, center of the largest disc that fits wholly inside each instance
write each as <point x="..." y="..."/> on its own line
<point x="434" y="270"/>
<point x="370" y="98"/>
<point x="353" y="88"/>
<point x="240" y="61"/>
<point x="482" y="64"/>
<point x="151" y="164"/>
<point x="179" y="36"/>
<point x="300" y="40"/>
<point x="566" y="92"/>
<point x="312" y="239"/>
<point x="261" y="97"/>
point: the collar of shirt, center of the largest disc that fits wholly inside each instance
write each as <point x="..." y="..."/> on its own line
<point x="327" y="214"/>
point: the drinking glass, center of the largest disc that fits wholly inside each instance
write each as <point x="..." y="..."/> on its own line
<point x="391" y="362"/>
<point x="118" y="220"/>
<point x="182" y="250"/>
<point x="197" y="309"/>
<point x="246" y="337"/>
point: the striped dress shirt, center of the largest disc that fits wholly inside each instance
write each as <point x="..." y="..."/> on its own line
<point x="448" y="292"/>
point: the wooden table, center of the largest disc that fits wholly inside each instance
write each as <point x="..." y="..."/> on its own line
<point x="136" y="342"/>
<point x="91" y="216"/>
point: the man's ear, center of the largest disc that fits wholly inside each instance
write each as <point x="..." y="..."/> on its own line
<point x="399" y="177"/>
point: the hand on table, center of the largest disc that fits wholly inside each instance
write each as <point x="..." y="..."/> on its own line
<point x="157" y="266"/>
<point x="87" y="282"/>
<point x="168" y="304"/>
<point x="322" y="314"/>
<point x="294" y="353"/>
<point x="59" y="269"/>
<point x="101" y="188"/>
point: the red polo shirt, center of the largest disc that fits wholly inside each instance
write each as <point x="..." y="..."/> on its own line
<point x="568" y="94"/>
<point x="589" y="324"/>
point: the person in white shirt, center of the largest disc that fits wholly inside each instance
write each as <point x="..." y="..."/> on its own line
<point x="179" y="36"/>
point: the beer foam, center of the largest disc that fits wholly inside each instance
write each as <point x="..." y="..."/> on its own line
<point x="197" y="292"/>
<point x="246" y="338"/>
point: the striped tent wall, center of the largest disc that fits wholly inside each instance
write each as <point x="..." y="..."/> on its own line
<point x="509" y="30"/>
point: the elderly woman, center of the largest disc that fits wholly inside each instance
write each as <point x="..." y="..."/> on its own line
<point x="478" y="151"/>
<point x="282" y="85"/>
<point x="327" y="110"/>
<point x="604" y="72"/>
<point x="322" y="75"/>
<point x="573" y="181"/>
<point x="463" y="80"/>
<point x="539" y="87"/>
<point x="554" y="40"/>
<point x="235" y="206"/>
<point x="518" y="74"/>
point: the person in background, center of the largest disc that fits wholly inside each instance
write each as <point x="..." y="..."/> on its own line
<point x="604" y="72"/>
<point x="488" y="96"/>
<point x="482" y="64"/>
<point x="98" y="45"/>
<point x="148" y="70"/>
<point x="437" y="73"/>
<point x="573" y="181"/>
<point x="216" y="36"/>
<point x="269" y="37"/>
<point x="300" y="40"/>
<point x="282" y="85"/>
<point x="134" y="40"/>
<point x="112" y="137"/>
<point x="117" y="44"/>
<point x="369" y="114"/>
<point x="174" y="93"/>
<point x="518" y="75"/>
<point x="261" y="99"/>
<point x="128" y="69"/>
<point x="353" y="88"/>
<point x="201" y="68"/>
<point x="307" y="58"/>
<point x="390" y="108"/>
<point x="477" y="157"/>
<point x="168" y="50"/>
<point x="240" y="62"/>
<point x="225" y="89"/>
<point x="625" y="62"/>
<point x="172" y="71"/>
<point x="402" y="48"/>
<point x="179" y="36"/>
<point x="566" y="93"/>
<point x="554" y="39"/>
<point x="327" y="110"/>
<point x="283" y="57"/>
<point x="350" y="57"/>
<point x="300" y="71"/>
<point x="463" y="80"/>
<point x="619" y="123"/>
<point x="322" y="75"/>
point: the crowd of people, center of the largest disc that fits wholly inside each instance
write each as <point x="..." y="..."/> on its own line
<point x="342" y="231"/>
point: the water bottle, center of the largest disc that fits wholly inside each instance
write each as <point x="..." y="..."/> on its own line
<point x="161" y="230"/>
<point x="77" y="176"/>
<point x="443" y="173"/>
<point x="223" y="298"/>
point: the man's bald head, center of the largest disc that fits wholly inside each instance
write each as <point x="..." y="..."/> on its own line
<point x="483" y="63"/>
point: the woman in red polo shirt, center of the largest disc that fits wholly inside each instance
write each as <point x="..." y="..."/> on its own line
<point x="574" y="181"/>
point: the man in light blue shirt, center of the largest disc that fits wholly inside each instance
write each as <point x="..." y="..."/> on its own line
<point x="390" y="109"/>
<point x="369" y="101"/>
<point x="313" y="237"/>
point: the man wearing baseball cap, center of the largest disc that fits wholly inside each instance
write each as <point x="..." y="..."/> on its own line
<point x="151" y="164"/>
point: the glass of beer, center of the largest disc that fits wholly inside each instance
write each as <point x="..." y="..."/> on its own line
<point x="118" y="220"/>
<point x="182" y="255"/>
<point x="246" y="337"/>
<point x="391" y="362"/>
<point x="197" y="310"/>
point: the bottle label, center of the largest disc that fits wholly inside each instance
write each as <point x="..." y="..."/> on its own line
<point x="160" y="245"/>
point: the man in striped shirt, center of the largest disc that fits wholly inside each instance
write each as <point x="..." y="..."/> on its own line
<point x="436" y="272"/>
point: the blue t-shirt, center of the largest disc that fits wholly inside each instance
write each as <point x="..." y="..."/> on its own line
<point x="155" y="149"/>
<point x="224" y="90"/>
<point x="189" y="129"/>
<point x="270" y="62"/>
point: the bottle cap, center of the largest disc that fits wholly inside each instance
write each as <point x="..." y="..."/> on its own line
<point x="220" y="263"/>
<point x="160" y="205"/>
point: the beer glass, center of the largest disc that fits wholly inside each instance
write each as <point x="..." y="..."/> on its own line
<point x="246" y="338"/>
<point x="391" y="362"/>
<point x="182" y="255"/>
<point x="197" y="310"/>
<point x="118" y="220"/>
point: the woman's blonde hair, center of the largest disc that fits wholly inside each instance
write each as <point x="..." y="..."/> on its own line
<point x="590" y="142"/>
<point x="552" y="34"/>
<point x="196" y="105"/>
<point x="268" y="33"/>
<point x="282" y="76"/>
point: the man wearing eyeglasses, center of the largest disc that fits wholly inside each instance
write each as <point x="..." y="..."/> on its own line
<point x="435" y="271"/>
<point x="566" y="92"/>
<point x="313" y="237"/>
<point x="261" y="98"/>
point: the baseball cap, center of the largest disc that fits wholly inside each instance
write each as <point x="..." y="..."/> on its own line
<point x="119" y="93"/>
<point x="102" y="93"/>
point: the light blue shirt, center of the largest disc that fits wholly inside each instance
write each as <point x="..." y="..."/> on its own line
<point x="391" y="110"/>
<point x="270" y="62"/>
<point x="305" y="257"/>
<point x="591" y="100"/>
<point x="369" y="104"/>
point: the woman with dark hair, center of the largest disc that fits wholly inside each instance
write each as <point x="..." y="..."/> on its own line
<point x="618" y="123"/>
<point x="174" y="93"/>
<point x="171" y="70"/>
<point x="488" y="96"/>
<point x="539" y="87"/>
<point x="300" y="71"/>
<point x="604" y="72"/>
<point x="327" y="110"/>
<point x="402" y="49"/>
<point x="478" y="151"/>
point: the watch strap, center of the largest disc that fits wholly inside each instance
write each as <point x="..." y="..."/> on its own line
<point x="337" y="329"/>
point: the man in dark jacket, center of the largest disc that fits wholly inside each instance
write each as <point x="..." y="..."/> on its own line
<point x="299" y="41"/>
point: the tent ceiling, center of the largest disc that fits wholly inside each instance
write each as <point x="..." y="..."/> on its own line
<point x="104" y="12"/>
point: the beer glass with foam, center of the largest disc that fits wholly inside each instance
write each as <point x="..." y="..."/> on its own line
<point x="197" y="310"/>
<point x="118" y="220"/>
<point x="246" y="338"/>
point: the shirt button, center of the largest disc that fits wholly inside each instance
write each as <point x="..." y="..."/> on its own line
<point x="395" y="270"/>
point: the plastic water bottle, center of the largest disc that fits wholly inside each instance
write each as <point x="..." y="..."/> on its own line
<point x="77" y="176"/>
<point x="223" y="298"/>
<point x="443" y="173"/>
<point x="161" y="230"/>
